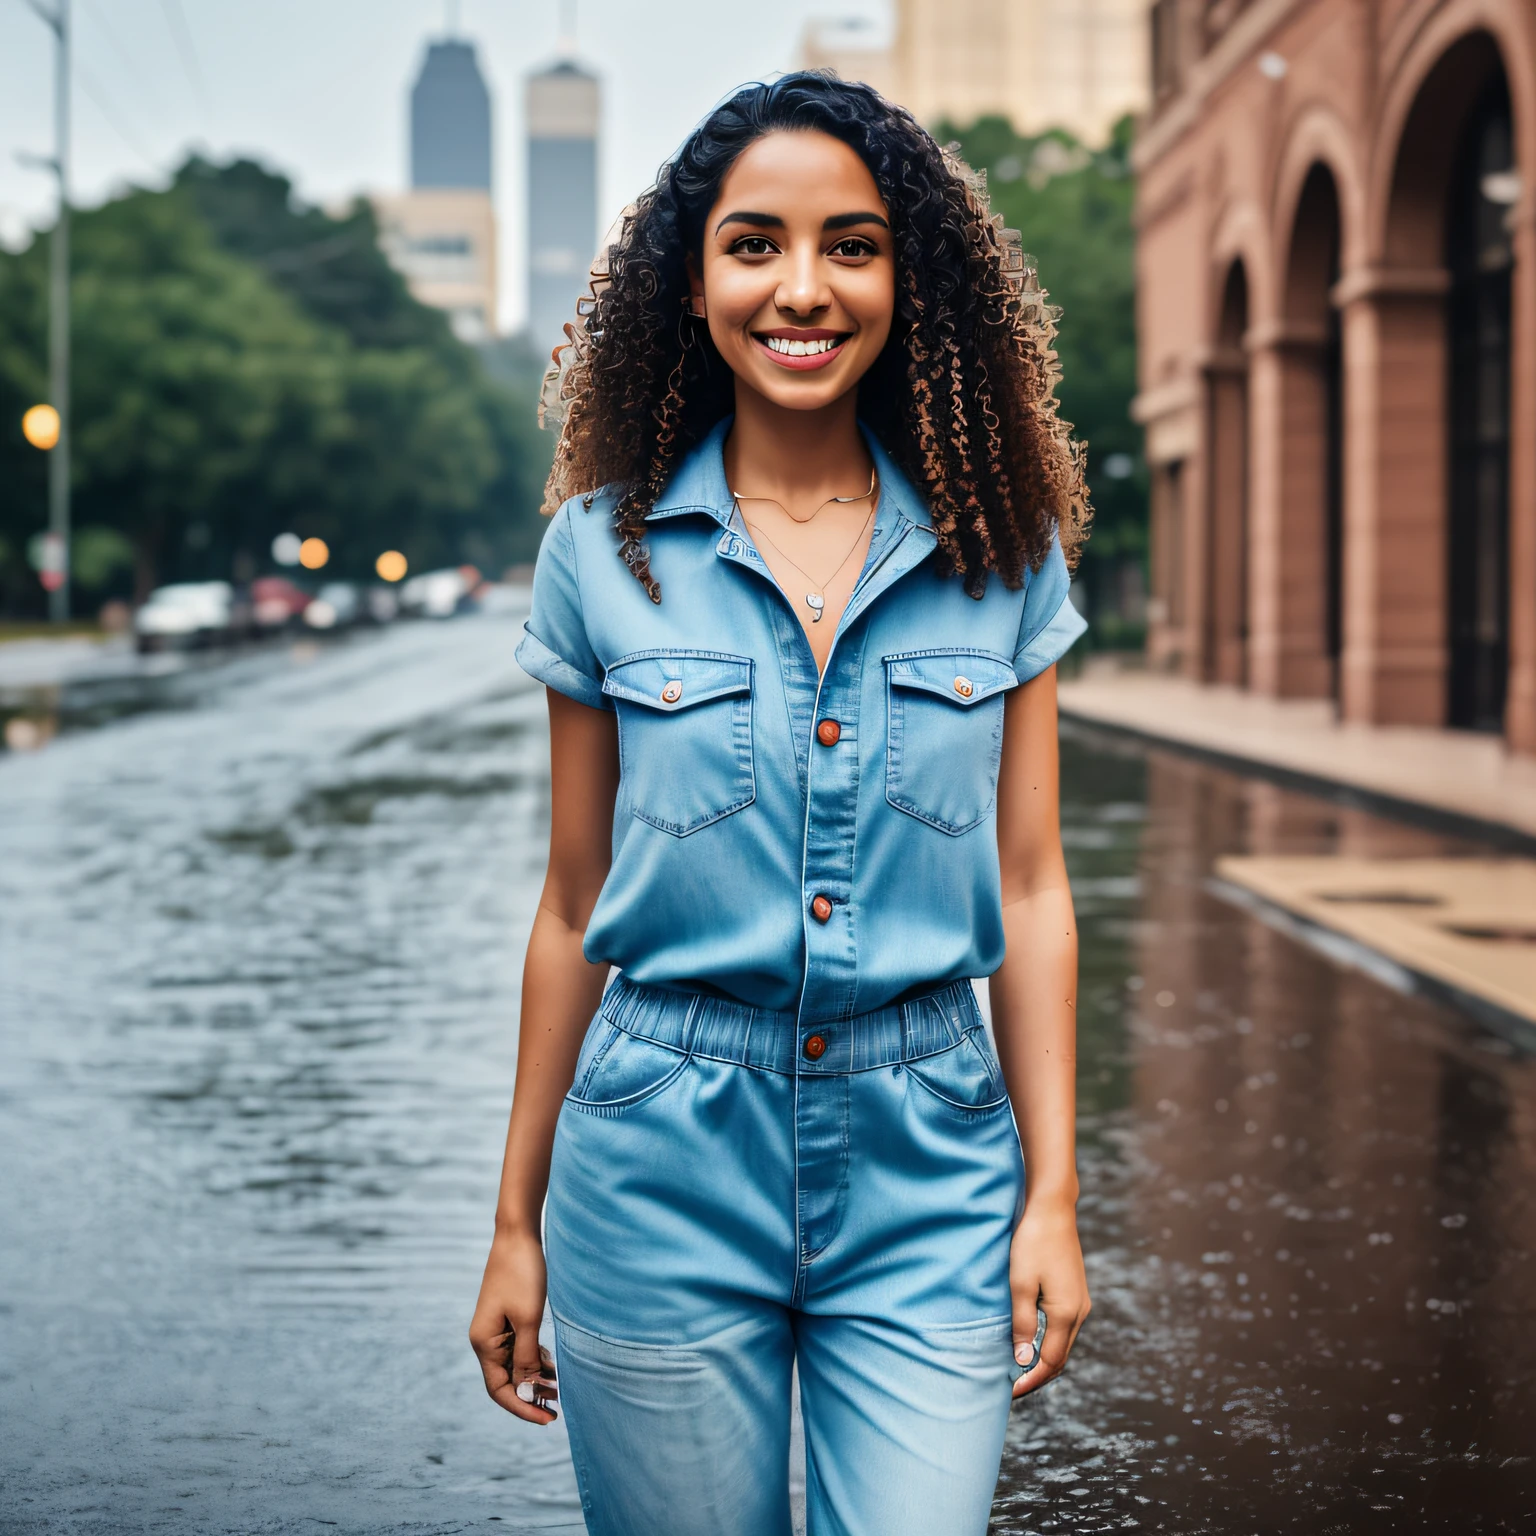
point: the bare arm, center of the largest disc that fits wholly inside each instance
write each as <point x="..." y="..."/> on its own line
<point x="561" y="991"/>
<point x="1034" y="1017"/>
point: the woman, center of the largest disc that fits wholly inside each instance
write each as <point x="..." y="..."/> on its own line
<point x="798" y="617"/>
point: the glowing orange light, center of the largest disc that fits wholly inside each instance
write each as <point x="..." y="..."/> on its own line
<point x="313" y="553"/>
<point x="391" y="565"/>
<point x="40" y="426"/>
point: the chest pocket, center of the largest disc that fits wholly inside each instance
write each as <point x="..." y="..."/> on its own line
<point x="685" y="736"/>
<point x="945" y="735"/>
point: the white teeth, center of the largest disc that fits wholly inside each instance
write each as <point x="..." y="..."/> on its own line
<point x="799" y="348"/>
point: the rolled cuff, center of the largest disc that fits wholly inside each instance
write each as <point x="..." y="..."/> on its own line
<point x="1051" y="643"/>
<point x="554" y="671"/>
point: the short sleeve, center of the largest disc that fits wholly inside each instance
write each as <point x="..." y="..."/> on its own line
<point x="1050" y="624"/>
<point x="554" y="647"/>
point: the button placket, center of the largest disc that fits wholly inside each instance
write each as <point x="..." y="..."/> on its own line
<point x="831" y="822"/>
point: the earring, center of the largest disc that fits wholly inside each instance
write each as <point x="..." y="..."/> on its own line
<point x="693" y="308"/>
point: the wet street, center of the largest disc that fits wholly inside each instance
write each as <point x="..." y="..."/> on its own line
<point x="261" y="929"/>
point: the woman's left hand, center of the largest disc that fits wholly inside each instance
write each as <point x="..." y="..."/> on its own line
<point x="1045" y="1271"/>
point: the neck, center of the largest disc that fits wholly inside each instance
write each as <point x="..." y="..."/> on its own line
<point x="796" y="457"/>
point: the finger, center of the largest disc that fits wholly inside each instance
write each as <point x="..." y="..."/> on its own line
<point x="496" y="1352"/>
<point x="1026" y="1324"/>
<point x="1077" y="1326"/>
<point x="1060" y="1329"/>
<point x="526" y="1357"/>
<point x="531" y="1367"/>
<point x="531" y="1413"/>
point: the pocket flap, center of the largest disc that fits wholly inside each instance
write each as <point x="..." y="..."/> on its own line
<point x="674" y="680"/>
<point x="963" y="677"/>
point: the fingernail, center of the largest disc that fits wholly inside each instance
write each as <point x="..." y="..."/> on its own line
<point x="525" y="1391"/>
<point x="1022" y="1354"/>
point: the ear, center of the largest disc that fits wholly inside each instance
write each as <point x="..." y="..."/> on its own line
<point x="695" y="290"/>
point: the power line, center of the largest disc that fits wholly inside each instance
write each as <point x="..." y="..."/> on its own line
<point x="90" y="89"/>
<point x="99" y="17"/>
<point x="176" y="20"/>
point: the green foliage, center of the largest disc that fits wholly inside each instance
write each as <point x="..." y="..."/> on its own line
<point x="99" y="556"/>
<point x="242" y="366"/>
<point x="1073" y="207"/>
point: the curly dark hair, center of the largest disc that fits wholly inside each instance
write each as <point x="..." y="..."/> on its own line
<point x="962" y="396"/>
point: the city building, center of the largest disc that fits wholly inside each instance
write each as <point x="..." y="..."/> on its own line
<point x="451" y="120"/>
<point x="1337" y="353"/>
<point x="564" y="105"/>
<point x="854" y="48"/>
<point x="443" y="241"/>
<point x="441" y="234"/>
<point x="1074" y="64"/>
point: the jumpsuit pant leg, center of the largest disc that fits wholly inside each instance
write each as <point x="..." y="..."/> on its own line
<point x="712" y="1221"/>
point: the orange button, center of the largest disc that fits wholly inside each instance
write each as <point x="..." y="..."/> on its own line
<point x="964" y="687"/>
<point x="815" y="1047"/>
<point x="672" y="692"/>
<point x="821" y="909"/>
<point x="828" y="733"/>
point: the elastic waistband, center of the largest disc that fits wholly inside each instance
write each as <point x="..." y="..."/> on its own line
<point x="725" y="1030"/>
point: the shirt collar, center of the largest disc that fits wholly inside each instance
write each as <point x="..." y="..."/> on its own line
<point x="700" y="484"/>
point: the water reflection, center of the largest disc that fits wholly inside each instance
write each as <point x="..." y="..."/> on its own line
<point x="1310" y="1219"/>
<point x="260" y="944"/>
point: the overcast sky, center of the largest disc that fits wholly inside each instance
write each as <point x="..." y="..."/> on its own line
<point x="318" y="88"/>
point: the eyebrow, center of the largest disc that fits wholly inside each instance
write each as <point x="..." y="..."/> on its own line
<point x="773" y="221"/>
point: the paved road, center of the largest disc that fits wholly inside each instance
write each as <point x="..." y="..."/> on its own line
<point x="259" y="957"/>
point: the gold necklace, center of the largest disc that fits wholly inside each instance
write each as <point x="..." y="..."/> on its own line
<point x="738" y="497"/>
<point x="815" y="600"/>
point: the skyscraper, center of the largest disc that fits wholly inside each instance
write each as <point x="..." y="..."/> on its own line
<point x="442" y="233"/>
<point x="563" y="106"/>
<point x="451" y="120"/>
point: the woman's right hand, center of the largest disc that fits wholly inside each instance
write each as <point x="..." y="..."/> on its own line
<point x="504" y="1332"/>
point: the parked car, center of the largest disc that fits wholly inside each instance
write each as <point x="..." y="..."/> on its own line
<point x="437" y="594"/>
<point x="186" y="614"/>
<point x="381" y="605"/>
<point x="276" y="604"/>
<point x="337" y="605"/>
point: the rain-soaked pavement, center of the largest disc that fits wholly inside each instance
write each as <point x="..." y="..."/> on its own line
<point x="260" y="935"/>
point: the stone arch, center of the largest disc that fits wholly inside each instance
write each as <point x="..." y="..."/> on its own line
<point x="1296" y="389"/>
<point x="1414" y="179"/>
<point x="1318" y="137"/>
<point x="1437" y="510"/>
<point x="1240" y="235"/>
<point x="1421" y="43"/>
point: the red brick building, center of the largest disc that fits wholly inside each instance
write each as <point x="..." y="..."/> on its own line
<point x="1337" y="316"/>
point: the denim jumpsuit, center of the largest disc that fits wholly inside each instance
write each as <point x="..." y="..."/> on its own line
<point x="788" y="1142"/>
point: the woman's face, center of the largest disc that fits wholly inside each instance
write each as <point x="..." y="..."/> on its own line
<point x="798" y="281"/>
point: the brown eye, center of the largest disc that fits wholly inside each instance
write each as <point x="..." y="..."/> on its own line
<point x="854" y="248"/>
<point x="753" y="245"/>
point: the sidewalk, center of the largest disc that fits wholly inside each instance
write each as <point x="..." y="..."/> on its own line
<point x="1452" y="773"/>
<point x="47" y="663"/>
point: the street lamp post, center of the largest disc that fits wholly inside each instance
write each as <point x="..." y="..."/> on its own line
<point x="56" y="18"/>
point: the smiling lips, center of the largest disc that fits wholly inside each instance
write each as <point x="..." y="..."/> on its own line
<point x="801" y="350"/>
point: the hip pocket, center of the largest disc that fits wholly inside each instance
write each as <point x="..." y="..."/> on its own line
<point x="617" y="1070"/>
<point x="945" y="735"/>
<point x="965" y="1079"/>
<point x="685" y="736"/>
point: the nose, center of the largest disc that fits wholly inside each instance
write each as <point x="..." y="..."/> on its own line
<point x="803" y="290"/>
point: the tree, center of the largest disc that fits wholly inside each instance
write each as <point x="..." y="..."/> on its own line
<point x="243" y="365"/>
<point x="1073" y="207"/>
